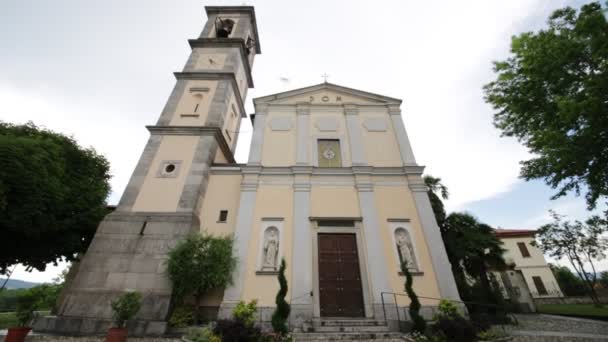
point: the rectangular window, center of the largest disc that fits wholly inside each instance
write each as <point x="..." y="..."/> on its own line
<point x="540" y="287"/>
<point x="328" y="153"/>
<point x="223" y="216"/>
<point x="523" y="249"/>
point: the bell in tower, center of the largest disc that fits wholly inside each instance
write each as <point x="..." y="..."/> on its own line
<point x="223" y="27"/>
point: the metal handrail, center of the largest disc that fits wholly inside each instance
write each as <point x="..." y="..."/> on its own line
<point x="395" y="294"/>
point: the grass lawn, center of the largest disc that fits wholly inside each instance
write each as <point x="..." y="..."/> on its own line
<point x="583" y="310"/>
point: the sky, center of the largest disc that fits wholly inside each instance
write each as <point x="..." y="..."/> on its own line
<point x="102" y="70"/>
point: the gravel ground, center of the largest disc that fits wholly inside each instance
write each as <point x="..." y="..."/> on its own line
<point x="557" y="328"/>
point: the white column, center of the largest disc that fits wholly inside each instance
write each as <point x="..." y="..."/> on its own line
<point x="242" y="235"/>
<point x="303" y="143"/>
<point x="432" y="234"/>
<point x="354" y="134"/>
<point x="375" y="251"/>
<point x="407" y="155"/>
<point x="257" y="140"/>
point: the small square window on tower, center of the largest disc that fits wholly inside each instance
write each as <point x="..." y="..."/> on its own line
<point x="223" y="216"/>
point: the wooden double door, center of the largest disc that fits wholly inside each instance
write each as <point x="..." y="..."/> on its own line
<point x="340" y="290"/>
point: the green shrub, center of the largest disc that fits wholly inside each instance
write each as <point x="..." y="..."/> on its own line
<point x="182" y="317"/>
<point x="27" y="302"/>
<point x="125" y="308"/>
<point x="202" y="335"/>
<point x="456" y="329"/>
<point x="491" y="334"/>
<point x="198" y="264"/>
<point x="281" y="313"/>
<point x="245" y="312"/>
<point x="236" y="331"/>
<point x="448" y="309"/>
<point x="414" y="309"/>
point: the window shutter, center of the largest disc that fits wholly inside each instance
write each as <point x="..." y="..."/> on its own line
<point x="523" y="249"/>
<point x="540" y="287"/>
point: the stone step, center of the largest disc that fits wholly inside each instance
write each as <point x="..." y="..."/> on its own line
<point x="351" y="328"/>
<point x="350" y="336"/>
<point x="347" y="322"/>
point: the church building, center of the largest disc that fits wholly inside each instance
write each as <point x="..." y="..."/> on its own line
<point x="331" y="185"/>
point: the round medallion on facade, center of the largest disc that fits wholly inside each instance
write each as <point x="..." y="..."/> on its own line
<point x="329" y="154"/>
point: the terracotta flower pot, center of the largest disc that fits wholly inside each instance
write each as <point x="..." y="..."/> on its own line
<point x="116" y="335"/>
<point x="17" y="334"/>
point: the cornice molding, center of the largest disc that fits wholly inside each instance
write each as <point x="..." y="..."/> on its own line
<point x="317" y="218"/>
<point x="365" y="187"/>
<point x="215" y="132"/>
<point x="418" y="187"/>
<point x="238" y="43"/>
<point x="302" y="108"/>
<point x="415" y="170"/>
<point x="380" y="99"/>
<point x="214" y="76"/>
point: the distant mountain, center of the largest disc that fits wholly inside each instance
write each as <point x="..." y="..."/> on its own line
<point x="18" y="284"/>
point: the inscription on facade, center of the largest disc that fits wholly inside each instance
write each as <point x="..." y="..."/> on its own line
<point x="325" y="98"/>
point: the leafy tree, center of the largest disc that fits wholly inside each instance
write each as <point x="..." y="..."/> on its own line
<point x="570" y="284"/>
<point x="552" y="95"/>
<point x="414" y="308"/>
<point x="604" y="279"/>
<point x="471" y="246"/>
<point x="281" y="313"/>
<point x="581" y="243"/>
<point x="200" y="263"/>
<point x="437" y="191"/>
<point x="52" y="196"/>
<point x="473" y="249"/>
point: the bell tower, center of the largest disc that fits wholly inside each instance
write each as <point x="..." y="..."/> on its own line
<point x="162" y="201"/>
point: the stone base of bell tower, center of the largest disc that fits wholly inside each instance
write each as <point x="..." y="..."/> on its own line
<point x="128" y="253"/>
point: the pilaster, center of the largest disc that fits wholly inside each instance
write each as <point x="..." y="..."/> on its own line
<point x="257" y="140"/>
<point x="354" y="134"/>
<point x="375" y="252"/>
<point x="303" y="114"/>
<point x="242" y="235"/>
<point x="405" y="148"/>
<point x="432" y="234"/>
<point x="302" y="283"/>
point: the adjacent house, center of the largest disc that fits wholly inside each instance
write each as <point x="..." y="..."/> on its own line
<point x="528" y="274"/>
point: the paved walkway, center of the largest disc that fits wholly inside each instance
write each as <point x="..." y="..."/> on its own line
<point x="558" y="328"/>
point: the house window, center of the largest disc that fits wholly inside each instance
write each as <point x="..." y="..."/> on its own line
<point x="329" y="154"/>
<point x="223" y="216"/>
<point x="540" y="287"/>
<point x="523" y="249"/>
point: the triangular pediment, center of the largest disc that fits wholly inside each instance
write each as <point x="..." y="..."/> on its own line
<point x="326" y="94"/>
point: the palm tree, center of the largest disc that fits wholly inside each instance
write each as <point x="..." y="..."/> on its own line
<point x="436" y="192"/>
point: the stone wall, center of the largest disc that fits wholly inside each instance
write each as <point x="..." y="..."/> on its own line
<point x="568" y="300"/>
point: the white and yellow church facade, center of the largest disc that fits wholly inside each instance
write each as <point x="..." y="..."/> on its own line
<point x="331" y="185"/>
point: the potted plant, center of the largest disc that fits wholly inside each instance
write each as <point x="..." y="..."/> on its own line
<point x="124" y="308"/>
<point x="26" y="304"/>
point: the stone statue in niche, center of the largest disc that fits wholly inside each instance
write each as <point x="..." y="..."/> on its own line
<point x="405" y="248"/>
<point x="271" y="249"/>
